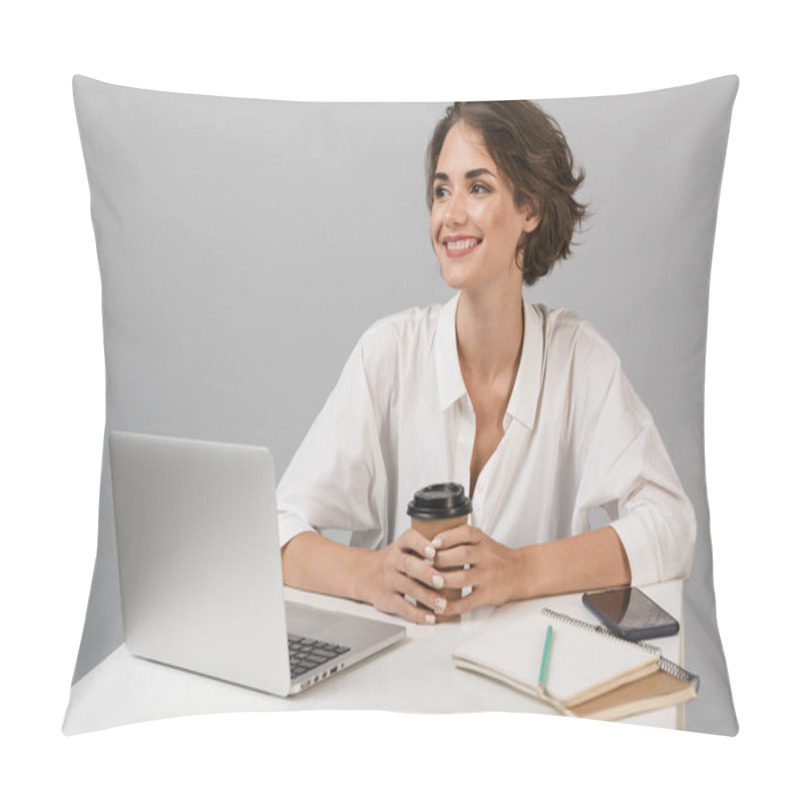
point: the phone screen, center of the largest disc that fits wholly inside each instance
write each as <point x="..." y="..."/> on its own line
<point x="631" y="610"/>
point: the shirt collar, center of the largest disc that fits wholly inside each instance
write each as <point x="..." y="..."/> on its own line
<point x="527" y="387"/>
<point x="448" y="370"/>
<point x="525" y="395"/>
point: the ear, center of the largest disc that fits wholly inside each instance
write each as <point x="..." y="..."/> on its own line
<point x="532" y="218"/>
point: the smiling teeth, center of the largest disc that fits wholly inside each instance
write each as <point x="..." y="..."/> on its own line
<point x="462" y="244"/>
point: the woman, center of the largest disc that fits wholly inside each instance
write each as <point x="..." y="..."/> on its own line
<point x="527" y="407"/>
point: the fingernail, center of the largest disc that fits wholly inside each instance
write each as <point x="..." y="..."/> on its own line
<point x="430" y="619"/>
<point x="440" y="603"/>
<point x="438" y="581"/>
<point x="430" y="552"/>
<point x="437" y="542"/>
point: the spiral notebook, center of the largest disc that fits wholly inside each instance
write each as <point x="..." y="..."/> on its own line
<point x="591" y="672"/>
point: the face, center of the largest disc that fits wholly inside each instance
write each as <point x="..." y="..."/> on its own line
<point x="475" y="225"/>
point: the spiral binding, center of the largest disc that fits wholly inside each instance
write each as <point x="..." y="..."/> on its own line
<point x="664" y="664"/>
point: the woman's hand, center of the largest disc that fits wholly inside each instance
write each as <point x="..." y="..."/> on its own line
<point x="415" y="567"/>
<point x="496" y="572"/>
<point x="404" y="568"/>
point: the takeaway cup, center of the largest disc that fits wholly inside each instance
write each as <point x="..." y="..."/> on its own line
<point x="436" y="508"/>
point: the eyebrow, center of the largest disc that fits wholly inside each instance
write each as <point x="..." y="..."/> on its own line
<point x="473" y="173"/>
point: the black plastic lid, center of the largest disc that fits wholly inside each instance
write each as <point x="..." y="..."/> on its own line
<point x="440" y="501"/>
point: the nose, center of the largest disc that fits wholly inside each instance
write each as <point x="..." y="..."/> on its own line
<point x="455" y="212"/>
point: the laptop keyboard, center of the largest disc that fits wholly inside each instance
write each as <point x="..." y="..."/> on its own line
<point x="306" y="654"/>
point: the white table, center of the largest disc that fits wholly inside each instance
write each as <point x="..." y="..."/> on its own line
<point x="416" y="675"/>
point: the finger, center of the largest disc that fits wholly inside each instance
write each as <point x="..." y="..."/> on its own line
<point x="452" y="537"/>
<point x="434" y="601"/>
<point x="474" y="599"/>
<point x="456" y="556"/>
<point x="405" y="608"/>
<point x="395" y="602"/>
<point x="459" y="578"/>
<point x="421" y="571"/>
<point x="414" y="542"/>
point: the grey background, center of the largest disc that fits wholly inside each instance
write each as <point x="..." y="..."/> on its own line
<point x="244" y="245"/>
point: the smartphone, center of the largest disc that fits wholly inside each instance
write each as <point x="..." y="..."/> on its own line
<point x="628" y="612"/>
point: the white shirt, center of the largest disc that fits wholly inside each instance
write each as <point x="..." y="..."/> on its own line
<point x="576" y="436"/>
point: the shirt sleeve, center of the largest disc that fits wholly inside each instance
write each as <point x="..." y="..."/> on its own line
<point x="337" y="477"/>
<point x="626" y="470"/>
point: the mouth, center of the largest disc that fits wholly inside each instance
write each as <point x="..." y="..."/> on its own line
<point x="458" y="246"/>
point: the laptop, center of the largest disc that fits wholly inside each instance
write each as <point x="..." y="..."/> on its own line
<point x="200" y="570"/>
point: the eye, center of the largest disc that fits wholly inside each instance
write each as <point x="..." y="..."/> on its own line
<point x="480" y="188"/>
<point x="440" y="191"/>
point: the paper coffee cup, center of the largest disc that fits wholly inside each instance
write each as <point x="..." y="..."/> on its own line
<point x="437" y="508"/>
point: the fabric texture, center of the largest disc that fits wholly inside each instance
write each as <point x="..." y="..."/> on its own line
<point x="245" y="245"/>
<point x="576" y="437"/>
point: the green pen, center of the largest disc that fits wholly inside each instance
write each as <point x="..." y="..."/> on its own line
<point x="545" y="660"/>
<point x="541" y="692"/>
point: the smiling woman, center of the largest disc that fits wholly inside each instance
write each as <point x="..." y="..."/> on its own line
<point x="524" y="142"/>
<point x="527" y="406"/>
<point x="476" y="227"/>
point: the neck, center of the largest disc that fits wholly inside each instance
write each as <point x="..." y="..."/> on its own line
<point x="489" y="333"/>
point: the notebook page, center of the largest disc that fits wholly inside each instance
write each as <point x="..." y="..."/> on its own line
<point x="583" y="664"/>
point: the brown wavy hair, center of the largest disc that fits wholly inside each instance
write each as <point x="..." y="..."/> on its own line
<point x="532" y="151"/>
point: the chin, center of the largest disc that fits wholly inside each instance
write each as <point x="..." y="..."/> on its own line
<point x="456" y="276"/>
<point x="456" y="284"/>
